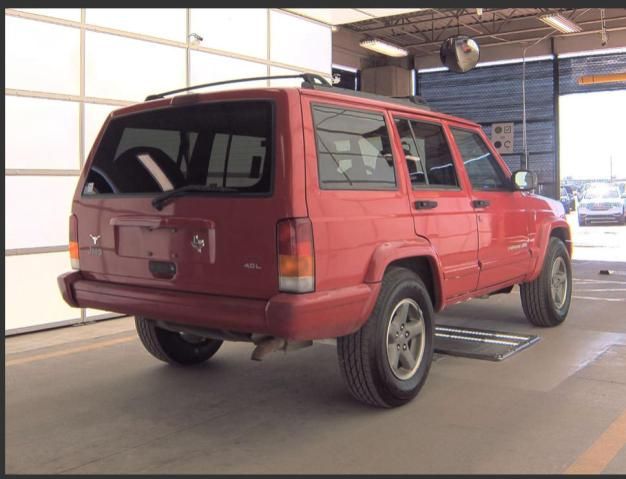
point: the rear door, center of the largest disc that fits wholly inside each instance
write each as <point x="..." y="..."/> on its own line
<point x="440" y="201"/>
<point x="501" y="213"/>
<point x="221" y="242"/>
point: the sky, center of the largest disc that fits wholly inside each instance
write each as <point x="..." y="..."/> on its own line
<point x="592" y="130"/>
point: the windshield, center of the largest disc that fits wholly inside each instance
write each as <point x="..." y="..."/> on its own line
<point x="224" y="146"/>
<point x="601" y="194"/>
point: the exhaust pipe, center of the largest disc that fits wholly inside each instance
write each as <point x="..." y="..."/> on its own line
<point x="268" y="345"/>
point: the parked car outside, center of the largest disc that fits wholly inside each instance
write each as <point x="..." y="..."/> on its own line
<point x="282" y="216"/>
<point x="571" y="192"/>
<point x="601" y="205"/>
<point x="566" y="200"/>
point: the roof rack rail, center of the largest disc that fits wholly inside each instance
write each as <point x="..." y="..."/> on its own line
<point x="412" y="101"/>
<point x="309" y="82"/>
<point x="418" y="100"/>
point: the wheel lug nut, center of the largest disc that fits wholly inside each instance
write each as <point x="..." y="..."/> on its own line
<point x="397" y="334"/>
<point x="401" y="327"/>
<point x="406" y="334"/>
<point x="404" y="347"/>
<point x="398" y="347"/>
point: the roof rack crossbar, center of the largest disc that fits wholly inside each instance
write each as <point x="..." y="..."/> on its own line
<point x="309" y="80"/>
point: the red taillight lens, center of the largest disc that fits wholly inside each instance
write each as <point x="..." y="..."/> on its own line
<point x="74" y="257"/>
<point x="296" y="262"/>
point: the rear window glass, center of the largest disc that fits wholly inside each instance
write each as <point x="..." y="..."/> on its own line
<point x="224" y="145"/>
<point x="353" y="149"/>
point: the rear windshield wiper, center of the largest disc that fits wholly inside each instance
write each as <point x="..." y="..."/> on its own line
<point x="160" y="201"/>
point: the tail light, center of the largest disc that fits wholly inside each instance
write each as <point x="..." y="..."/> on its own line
<point x="74" y="260"/>
<point x="296" y="262"/>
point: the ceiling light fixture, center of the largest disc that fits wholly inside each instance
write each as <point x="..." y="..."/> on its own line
<point x="560" y="23"/>
<point x="383" y="47"/>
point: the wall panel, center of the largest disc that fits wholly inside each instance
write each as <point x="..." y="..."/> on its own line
<point x="37" y="210"/>
<point x="299" y="42"/>
<point x="206" y="68"/>
<point x="169" y="23"/>
<point x="126" y="69"/>
<point x="41" y="134"/>
<point x="41" y="56"/>
<point x="32" y="296"/>
<point x="237" y="30"/>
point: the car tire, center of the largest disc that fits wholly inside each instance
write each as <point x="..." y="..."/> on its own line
<point x="546" y="300"/>
<point x="399" y="328"/>
<point x="172" y="347"/>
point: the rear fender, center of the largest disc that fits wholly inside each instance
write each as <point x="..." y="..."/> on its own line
<point x="387" y="253"/>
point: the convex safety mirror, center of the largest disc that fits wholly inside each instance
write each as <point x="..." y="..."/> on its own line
<point x="524" y="180"/>
<point x="459" y="53"/>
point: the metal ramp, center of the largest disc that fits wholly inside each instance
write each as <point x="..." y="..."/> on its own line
<point x="480" y="343"/>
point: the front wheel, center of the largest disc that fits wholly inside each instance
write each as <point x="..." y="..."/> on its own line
<point x="546" y="300"/>
<point x="173" y="347"/>
<point x="386" y="362"/>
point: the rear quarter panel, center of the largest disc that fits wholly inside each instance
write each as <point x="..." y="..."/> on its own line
<point x="349" y="225"/>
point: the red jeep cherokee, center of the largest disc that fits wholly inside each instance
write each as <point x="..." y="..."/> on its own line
<point x="281" y="216"/>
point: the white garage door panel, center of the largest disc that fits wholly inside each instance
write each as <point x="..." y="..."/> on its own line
<point x="235" y="30"/>
<point x="288" y="82"/>
<point x="167" y="23"/>
<point x="38" y="208"/>
<point x="126" y="69"/>
<point x="94" y="119"/>
<point x="299" y="42"/>
<point x="41" y="56"/>
<point x="41" y="134"/>
<point x="66" y="13"/>
<point x="206" y="68"/>
<point x="32" y="296"/>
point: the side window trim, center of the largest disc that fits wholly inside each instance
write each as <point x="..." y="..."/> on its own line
<point x="383" y="114"/>
<point x="428" y="186"/>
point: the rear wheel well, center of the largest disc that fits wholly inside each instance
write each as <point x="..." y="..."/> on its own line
<point x="563" y="235"/>
<point x="422" y="267"/>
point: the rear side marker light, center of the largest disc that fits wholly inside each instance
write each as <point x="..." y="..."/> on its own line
<point x="74" y="256"/>
<point x="296" y="262"/>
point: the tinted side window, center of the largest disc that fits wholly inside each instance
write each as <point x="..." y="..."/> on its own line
<point x="427" y="154"/>
<point x="483" y="170"/>
<point x="353" y="149"/>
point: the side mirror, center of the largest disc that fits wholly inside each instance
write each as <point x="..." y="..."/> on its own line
<point x="524" y="180"/>
<point x="459" y="53"/>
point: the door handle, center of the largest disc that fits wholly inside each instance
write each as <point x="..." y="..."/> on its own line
<point x="480" y="203"/>
<point x="425" y="205"/>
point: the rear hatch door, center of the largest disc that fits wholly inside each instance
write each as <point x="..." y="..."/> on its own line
<point x="219" y="241"/>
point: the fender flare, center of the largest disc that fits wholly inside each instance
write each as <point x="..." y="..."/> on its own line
<point x="542" y="239"/>
<point x="386" y="253"/>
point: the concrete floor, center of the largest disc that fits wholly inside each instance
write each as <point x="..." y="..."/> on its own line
<point x="89" y="399"/>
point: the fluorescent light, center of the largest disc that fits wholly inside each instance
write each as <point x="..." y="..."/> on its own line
<point x="384" y="48"/>
<point x="586" y="53"/>
<point x="511" y="61"/>
<point x="560" y="23"/>
<point x="432" y="70"/>
<point x="344" y="67"/>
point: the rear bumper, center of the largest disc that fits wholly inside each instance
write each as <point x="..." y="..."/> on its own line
<point x="319" y="315"/>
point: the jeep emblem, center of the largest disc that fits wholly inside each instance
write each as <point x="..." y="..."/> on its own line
<point x="197" y="243"/>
